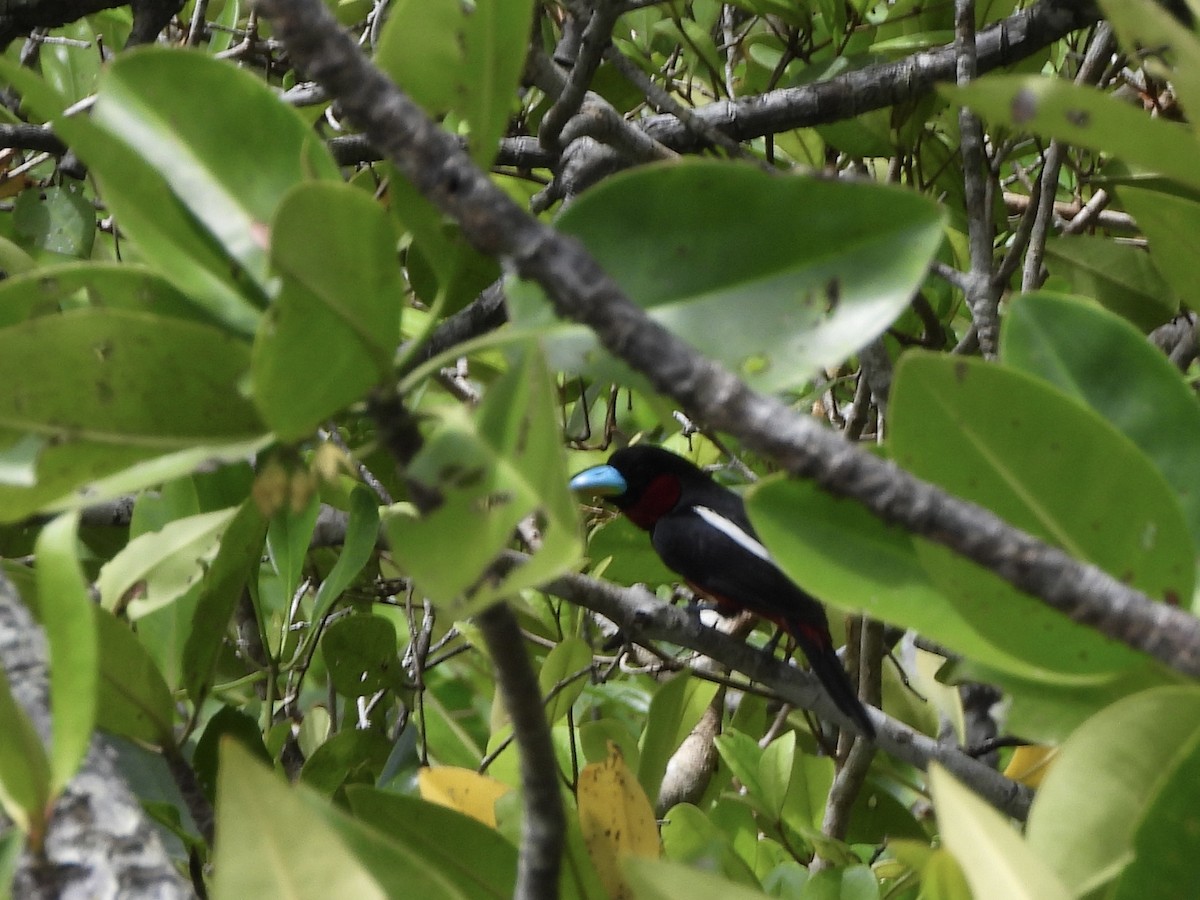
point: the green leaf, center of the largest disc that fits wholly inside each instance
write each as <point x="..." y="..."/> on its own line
<point x="237" y="560"/>
<point x="134" y="700"/>
<point x="66" y="616"/>
<point x="164" y="231"/>
<point x="138" y="386"/>
<point x="1168" y="215"/>
<point x="563" y="662"/>
<point x="1085" y="817"/>
<point x="362" y="535"/>
<point x="491" y="471"/>
<point x="24" y="767"/>
<point x="156" y="569"/>
<point x="1101" y="360"/>
<point x="691" y="836"/>
<point x="997" y="863"/>
<point x="1163" y="866"/>
<point x="56" y="219"/>
<point x="360" y="654"/>
<point x="229" y="163"/>
<point x="848" y="558"/>
<point x="1122" y="278"/>
<point x="288" y="537"/>
<point x="334" y="327"/>
<point x="674" y="711"/>
<point x="773" y="294"/>
<point x="271" y="844"/>
<point x="452" y="57"/>
<point x="1033" y="456"/>
<point x="150" y="382"/>
<point x="433" y="838"/>
<point x="1086" y="117"/>
<point x="352" y="755"/>
<point x="99" y="285"/>
<point x="661" y="880"/>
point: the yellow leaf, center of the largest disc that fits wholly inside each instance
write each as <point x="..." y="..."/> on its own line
<point x="616" y="819"/>
<point x="464" y="790"/>
<point x="1030" y="763"/>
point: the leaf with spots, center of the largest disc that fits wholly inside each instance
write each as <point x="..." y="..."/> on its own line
<point x="1048" y="465"/>
<point x="91" y="392"/>
<point x="806" y="273"/>
<point x="616" y="819"/>
<point x="1086" y="117"/>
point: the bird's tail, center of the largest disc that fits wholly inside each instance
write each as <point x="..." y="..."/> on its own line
<point x="826" y="665"/>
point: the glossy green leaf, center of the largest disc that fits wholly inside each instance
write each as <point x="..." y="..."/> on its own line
<point x="165" y="233"/>
<point x="25" y="775"/>
<point x="560" y="670"/>
<point x="741" y="753"/>
<point x="772" y="294"/>
<point x="271" y="845"/>
<point x="133" y="699"/>
<point x="236" y="562"/>
<point x="1085" y="117"/>
<point x="1101" y="360"/>
<point x="674" y="711"/>
<point x="140" y="372"/>
<point x="795" y="783"/>
<point x="451" y="57"/>
<point x="1034" y="457"/>
<point x="1168" y="215"/>
<point x="334" y="327"/>
<point x="229" y="163"/>
<point x="360" y="654"/>
<point x="66" y="617"/>
<point x="1085" y="817"/>
<point x="491" y="470"/>
<point x="157" y="568"/>
<point x="362" y="535"/>
<point x="997" y="863"/>
<point x="436" y="836"/>
<point x="56" y="219"/>
<point x="154" y="387"/>
<point x="1122" y="278"/>
<point x="1163" y="866"/>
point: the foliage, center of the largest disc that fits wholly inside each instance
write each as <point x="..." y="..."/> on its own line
<point x="208" y="322"/>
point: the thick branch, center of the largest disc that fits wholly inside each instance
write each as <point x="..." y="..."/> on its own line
<point x="580" y="290"/>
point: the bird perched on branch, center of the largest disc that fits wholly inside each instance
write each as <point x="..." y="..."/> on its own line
<point x="700" y="530"/>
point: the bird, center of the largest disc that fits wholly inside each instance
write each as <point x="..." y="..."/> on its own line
<point x="701" y="532"/>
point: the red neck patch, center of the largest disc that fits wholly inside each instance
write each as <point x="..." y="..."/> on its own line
<point x="658" y="499"/>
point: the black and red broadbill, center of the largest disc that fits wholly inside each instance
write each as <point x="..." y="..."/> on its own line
<point x="701" y="532"/>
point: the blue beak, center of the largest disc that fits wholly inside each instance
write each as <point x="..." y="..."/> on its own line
<point x="603" y="481"/>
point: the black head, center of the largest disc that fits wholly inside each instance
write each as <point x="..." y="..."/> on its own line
<point x="643" y="481"/>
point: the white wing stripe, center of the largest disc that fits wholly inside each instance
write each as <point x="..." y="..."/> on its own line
<point x="733" y="532"/>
